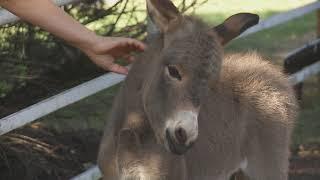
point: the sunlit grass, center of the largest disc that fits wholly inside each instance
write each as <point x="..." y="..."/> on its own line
<point x="277" y="42"/>
<point x="214" y="11"/>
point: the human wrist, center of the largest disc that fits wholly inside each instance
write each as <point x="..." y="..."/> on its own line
<point x="85" y="42"/>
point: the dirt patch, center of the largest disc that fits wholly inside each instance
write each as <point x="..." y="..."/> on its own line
<point x="302" y="168"/>
<point x="305" y="162"/>
<point x="37" y="153"/>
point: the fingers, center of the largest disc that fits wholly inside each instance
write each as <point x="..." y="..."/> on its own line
<point x="118" y="69"/>
<point x="135" y="43"/>
<point x="131" y="45"/>
<point x="121" y="47"/>
<point x="110" y="66"/>
<point x="129" y="57"/>
<point x="112" y="48"/>
<point x="106" y="62"/>
<point x="138" y="44"/>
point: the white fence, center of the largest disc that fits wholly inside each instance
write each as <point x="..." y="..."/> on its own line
<point x="91" y="87"/>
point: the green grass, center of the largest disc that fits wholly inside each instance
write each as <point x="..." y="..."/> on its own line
<point x="307" y="129"/>
<point x="89" y="113"/>
<point x="216" y="11"/>
<point x="274" y="44"/>
<point x="4" y="87"/>
<point x="277" y="42"/>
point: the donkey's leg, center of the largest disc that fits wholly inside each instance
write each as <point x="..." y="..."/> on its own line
<point x="239" y="175"/>
<point x="269" y="171"/>
<point x="108" y="146"/>
<point x="107" y="158"/>
<point x="270" y="160"/>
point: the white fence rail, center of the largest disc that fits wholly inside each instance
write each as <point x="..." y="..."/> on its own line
<point x="92" y="173"/>
<point x="86" y="89"/>
<point x="282" y="18"/>
<point x="58" y="101"/>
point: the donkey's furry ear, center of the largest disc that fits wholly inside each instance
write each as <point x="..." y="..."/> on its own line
<point x="235" y="25"/>
<point x="162" y="12"/>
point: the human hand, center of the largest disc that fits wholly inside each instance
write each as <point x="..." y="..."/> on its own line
<point x="104" y="50"/>
<point x="101" y="50"/>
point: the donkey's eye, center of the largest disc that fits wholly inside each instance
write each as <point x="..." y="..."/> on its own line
<point x="174" y="72"/>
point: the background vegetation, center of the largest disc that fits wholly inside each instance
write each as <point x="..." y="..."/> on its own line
<point x="28" y="54"/>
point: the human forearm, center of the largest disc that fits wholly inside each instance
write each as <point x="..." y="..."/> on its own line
<point x="51" y="18"/>
<point x="101" y="50"/>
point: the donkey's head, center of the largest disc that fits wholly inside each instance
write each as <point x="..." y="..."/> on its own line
<point x="178" y="80"/>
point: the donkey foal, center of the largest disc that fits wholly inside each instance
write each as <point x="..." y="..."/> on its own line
<point x="186" y="111"/>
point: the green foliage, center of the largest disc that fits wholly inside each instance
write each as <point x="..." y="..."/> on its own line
<point x="4" y="87"/>
<point x="28" y="54"/>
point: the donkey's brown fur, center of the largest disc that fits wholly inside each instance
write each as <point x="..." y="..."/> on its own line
<point x="255" y="100"/>
<point x="245" y="107"/>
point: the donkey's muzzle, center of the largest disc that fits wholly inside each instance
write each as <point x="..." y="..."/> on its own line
<point x="177" y="141"/>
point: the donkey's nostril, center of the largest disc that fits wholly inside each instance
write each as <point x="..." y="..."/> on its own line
<point x="181" y="135"/>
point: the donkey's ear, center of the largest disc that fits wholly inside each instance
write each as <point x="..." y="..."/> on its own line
<point x="235" y="25"/>
<point x="162" y="12"/>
